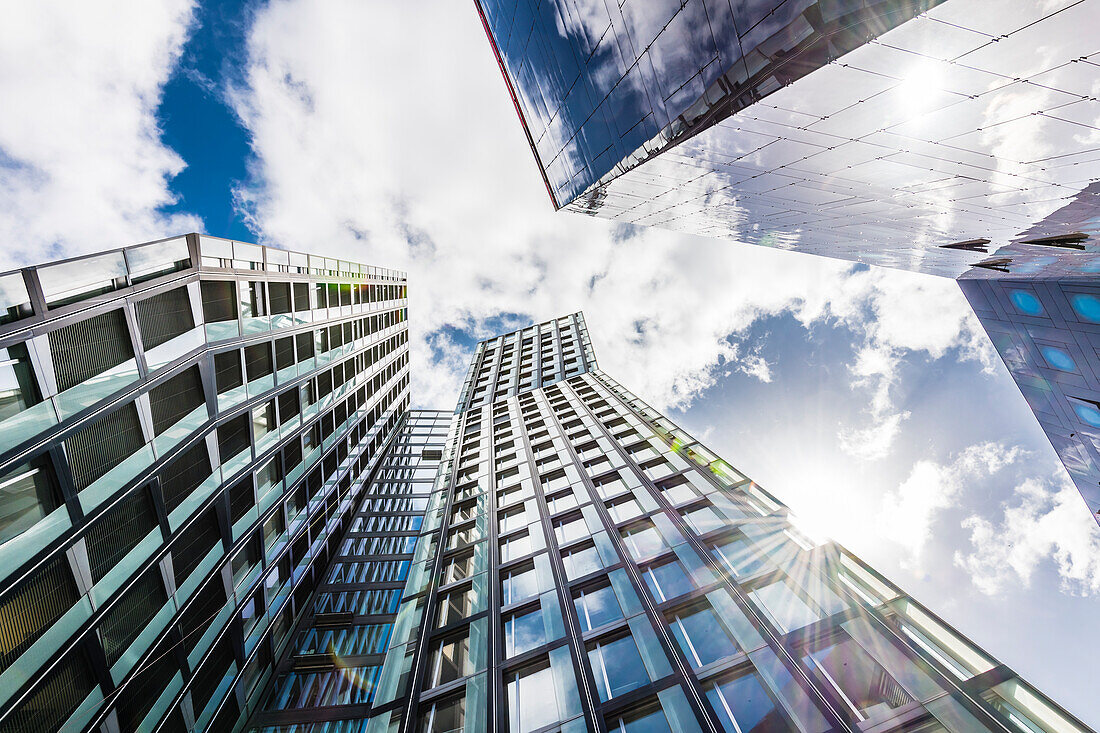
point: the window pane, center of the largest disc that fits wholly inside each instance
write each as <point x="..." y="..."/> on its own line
<point x="617" y="666"/>
<point x="27" y="494"/>
<point x="862" y="681"/>
<point x="450" y="659"/>
<point x="742" y="705"/>
<point x="596" y="607"/>
<point x="667" y="581"/>
<point x="530" y="707"/>
<point x="700" y="636"/>
<point x="581" y="562"/>
<point x="784" y="607"/>
<point x="519" y="584"/>
<point x="523" y="631"/>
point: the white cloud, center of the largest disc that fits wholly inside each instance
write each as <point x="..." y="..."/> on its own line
<point x="368" y="147"/>
<point x="1044" y="521"/>
<point x="82" y="167"/>
<point x="900" y="315"/>
<point x="909" y="512"/>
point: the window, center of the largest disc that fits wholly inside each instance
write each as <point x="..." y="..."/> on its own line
<point x="457" y="567"/>
<point x="301" y="296"/>
<point x="263" y="420"/>
<point x="650" y="718"/>
<point x="129" y="616"/>
<point x="704" y="519"/>
<point x="274" y="526"/>
<point x="304" y="342"/>
<point x="30" y="610"/>
<point x="219" y="301"/>
<point x="513" y="519"/>
<point x="173" y="400"/>
<point x="561" y="501"/>
<point x="625" y="509"/>
<point x="242" y="497"/>
<point x="449" y="659"/>
<point x="701" y="637"/>
<point x="444" y="716"/>
<point x="194" y="544"/>
<point x="233" y="437"/>
<point x="253" y="299"/>
<point x="55" y="698"/>
<point x="678" y="490"/>
<point x="515" y="546"/>
<point x="257" y="361"/>
<point x="742" y="705"/>
<point x="617" y="666"/>
<point x="738" y="557"/>
<point x="164" y="316"/>
<point x="860" y="680"/>
<point x="523" y="631"/>
<point x="27" y="494"/>
<point x="667" y="580"/>
<point x="180" y="478"/>
<point x="284" y="352"/>
<point x="455" y="606"/>
<point x="118" y="531"/>
<point x="227" y="371"/>
<point x="96" y="449"/>
<point x="643" y="540"/>
<point x="596" y="606"/>
<point x="18" y="389"/>
<point x="88" y="348"/>
<point x="137" y="697"/>
<point x="246" y="559"/>
<point x="518" y="584"/>
<point x="280" y="296"/>
<point x="784" y="606"/>
<point x="529" y="705"/>
<point x="581" y="561"/>
<point x="570" y="529"/>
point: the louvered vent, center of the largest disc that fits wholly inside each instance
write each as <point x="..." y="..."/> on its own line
<point x="129" y="616"/>
<point x="183" y="475"/>
<point x="29" y="610"/>
<point x="101" y="446"/>
<point x="90" y="347"/>
<point x="219" y="300"/>
<point x="119" y="531"/>
<point x="164" y="316"/>
<point x="55" y="698"/>
<point x="173" y="400"/>
<point x="194" y="543"/>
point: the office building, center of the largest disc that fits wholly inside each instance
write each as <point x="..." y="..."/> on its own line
<point x="583" y="564"/>
<point x="185" y="429"/>
<point x="948" y="137"/>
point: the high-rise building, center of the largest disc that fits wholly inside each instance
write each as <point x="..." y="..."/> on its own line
<point x="947" y="137"/>
<point x="218" y="513"/>
<point x="185" y="429"/>
<point x="583" y="564"/>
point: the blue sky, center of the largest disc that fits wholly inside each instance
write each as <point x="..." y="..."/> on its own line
<point x="868" y="400"/>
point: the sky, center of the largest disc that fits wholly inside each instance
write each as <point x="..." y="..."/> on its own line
<point x="868" y="400"/>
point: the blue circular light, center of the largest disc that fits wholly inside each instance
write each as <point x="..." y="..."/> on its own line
<point x="1088" y="413"/>
<point x="1026" y="302"/>
<point x="1087" y="306"/>
<point x="1058" y="359"/>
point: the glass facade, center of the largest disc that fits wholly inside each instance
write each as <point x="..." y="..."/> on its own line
<point x="948" y="138"/>
<point x="253" y="531"/>
<point x="667" y="593"/>
<point x="170" y="491"/>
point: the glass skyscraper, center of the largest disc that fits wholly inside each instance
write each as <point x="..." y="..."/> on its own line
<point x="583" y="564"/>
<point x="947" y="137"/>
<point x="219" y="513"/>
<point x="185" y="427"/>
